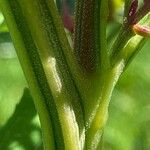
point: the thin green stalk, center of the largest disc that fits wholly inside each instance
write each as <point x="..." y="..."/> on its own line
<point x="123" y="37"/>
<point x="127" y="44"/>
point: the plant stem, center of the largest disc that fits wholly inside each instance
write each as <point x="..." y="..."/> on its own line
<point x="41" y="46"/>
<point x="127" y="44"/>
<point x="46" y="124"/>
<point x="90" y="48"/>
<point x="124" y="35"/>
<point x="95" y="131"/>
<point x="90" y="35"/>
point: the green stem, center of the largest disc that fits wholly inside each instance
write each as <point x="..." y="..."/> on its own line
<point x="123" y="37"/>
<point x="123" y="50"/>
<point x="41" y="47"/>
<point x="90" y="48"/>
<point x="95" y="131"/>
<point x="31" y="77"/>
<point x="127" y="44"/>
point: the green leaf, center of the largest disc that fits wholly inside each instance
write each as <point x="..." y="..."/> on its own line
<point x="22" y="130"/>
<point x="12" y="80"/>
<point x="12" y="83"/>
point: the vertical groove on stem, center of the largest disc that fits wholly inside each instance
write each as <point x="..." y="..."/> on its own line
<point x="90" y="35"/>
<point x="38" y="41"/>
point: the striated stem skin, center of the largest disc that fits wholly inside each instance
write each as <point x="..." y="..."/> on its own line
<point x="132" y="16"/>
<point x="95" y="132"/>
<point x="84" y="42"/>
<point x="40" y="43"/>
<point x="90" y="35"/>
<point x="90" y="48"/>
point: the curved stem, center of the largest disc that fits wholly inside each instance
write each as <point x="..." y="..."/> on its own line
<point x="95" y="131"/>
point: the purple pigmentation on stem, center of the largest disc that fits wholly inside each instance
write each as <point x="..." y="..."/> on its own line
<point x="132" y="13"/>
<point x="147" y="2"/>
<point x="67" y="18"/>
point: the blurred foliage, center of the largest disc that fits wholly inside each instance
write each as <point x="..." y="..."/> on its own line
<point x="22" y="130"/>
<point x="128" y="126"/>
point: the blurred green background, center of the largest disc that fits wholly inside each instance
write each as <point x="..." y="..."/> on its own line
<point x="128" y="126"/>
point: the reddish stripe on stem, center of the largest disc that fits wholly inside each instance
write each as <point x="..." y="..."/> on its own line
<point x="67" y="18"/>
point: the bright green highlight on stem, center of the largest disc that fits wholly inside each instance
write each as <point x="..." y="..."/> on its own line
<point x="46" y="69"/>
